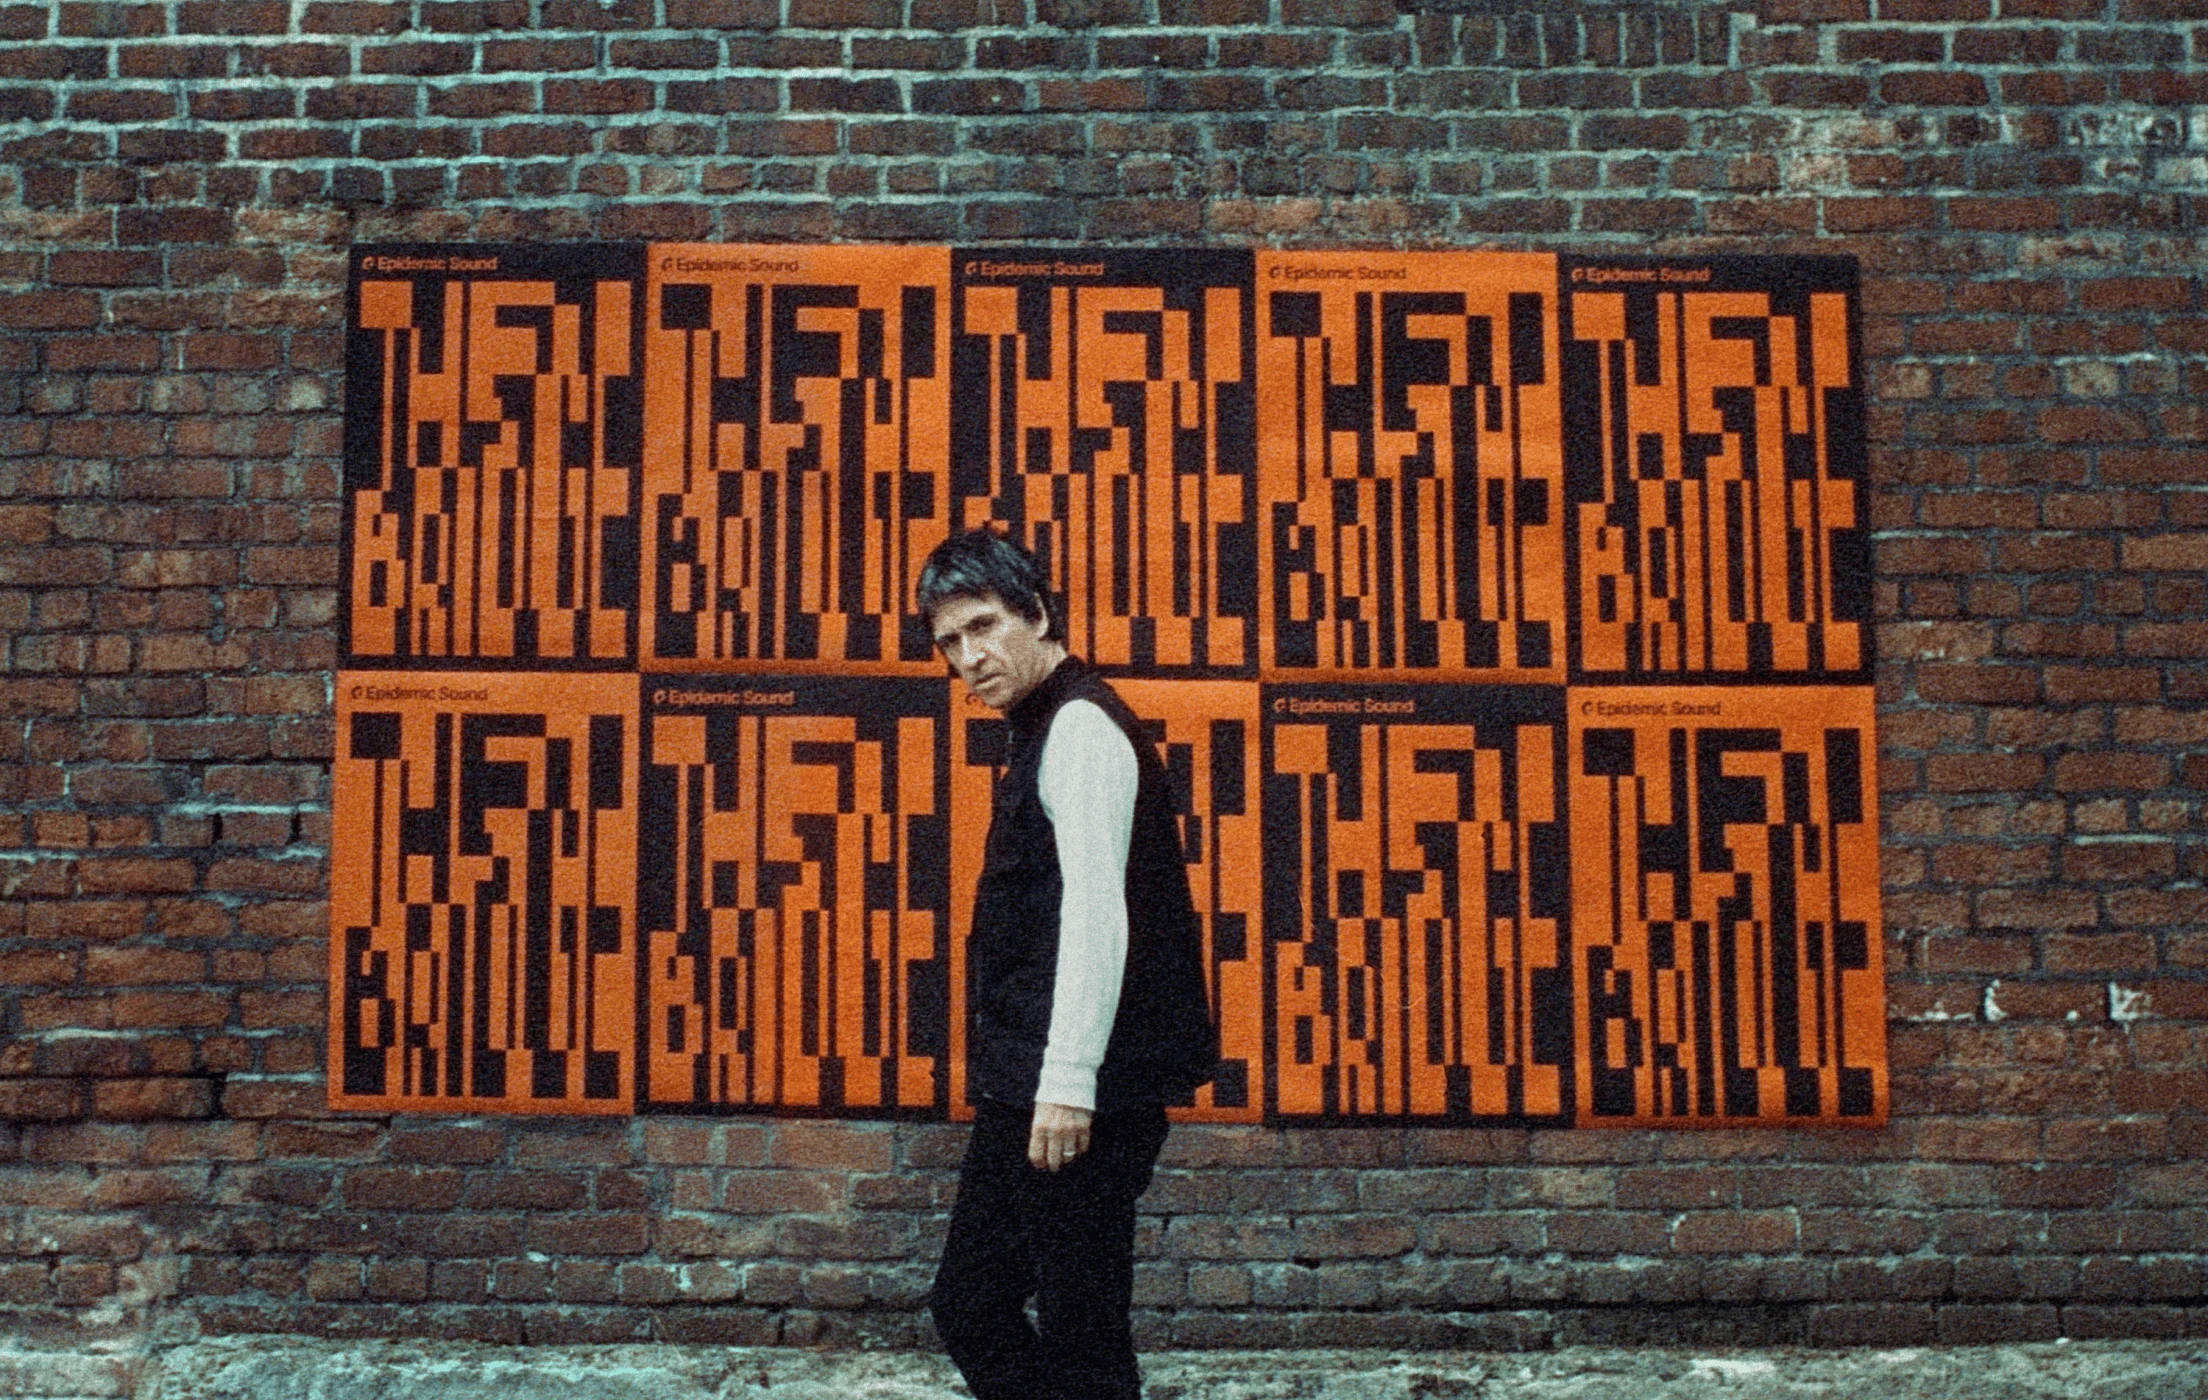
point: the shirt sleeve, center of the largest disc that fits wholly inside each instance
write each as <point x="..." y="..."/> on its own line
<point x="1087" y="784"/>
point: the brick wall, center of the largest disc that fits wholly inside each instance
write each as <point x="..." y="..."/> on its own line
<point x="2024" y="180"/>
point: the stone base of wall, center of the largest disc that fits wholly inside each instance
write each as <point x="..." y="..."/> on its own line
<point x="284" y="1368"/>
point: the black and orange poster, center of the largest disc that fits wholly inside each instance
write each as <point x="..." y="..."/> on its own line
<point x="1503" y="620"/>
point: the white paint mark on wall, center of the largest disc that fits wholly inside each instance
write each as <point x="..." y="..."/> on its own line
<point x="1938" y="1012"/>
<point x="1730" y="1370"/>
<point x="2129" y="1003"/>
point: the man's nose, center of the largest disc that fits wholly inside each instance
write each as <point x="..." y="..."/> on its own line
<point x="962" y="652"/>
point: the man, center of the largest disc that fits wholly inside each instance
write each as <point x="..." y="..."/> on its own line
<point x="1089" y="1010"/>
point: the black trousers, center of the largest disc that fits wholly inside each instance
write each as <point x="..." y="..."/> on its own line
<point x="1065" y="1239"/>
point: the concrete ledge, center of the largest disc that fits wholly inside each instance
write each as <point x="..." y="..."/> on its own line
<point x="69" y="1375"/>
<point x="289" y="1368"/>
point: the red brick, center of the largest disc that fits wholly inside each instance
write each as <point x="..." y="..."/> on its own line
<point x="165" y="226"/>
<point x="39" y="1100"/>
<point x="844" y="95"/>
<point x="104" y="919"/>
<point x="104" y="104"/>
<point x="221" y="351"/>
<point x="134" y="875"/>
<point x="606" y="97"/>
<point x="2036" y="909"/>
<point x="138" y="1099"/>
<point x="34" y="967"/>
<point x="1353" y="1237"/>
<point x="353" y="17"/>
<point x="255" y="1098"/>
<point x="840" y="14"/>
<point x="1735" y="1232"/>
<point x="730" y="14"/>
<point x="2138" y="294"/>
<point x="1891" y="46"/>
<point x="147" y="1010"/>
<point x="2073" y="684"/>
<point x="143" y="966"/>
<point x="232" y="17"/>
<point x="1984" y="772"/>
<point x="402" y="1188"/>
<point x="104" y="269"/>
<point x="1954" y="953"/>
<point x="1978" y="684"/>
<point x="48" y="310"/>
<point x="831" y="1145"/>
<point x="1974" y="864"/>
<point x="1880" y="214"/>
<point x="2087" y="423"/>
<point x="595" y="1234"/>
<point x="2082" y="772"/>
<point x="598" y="14"/>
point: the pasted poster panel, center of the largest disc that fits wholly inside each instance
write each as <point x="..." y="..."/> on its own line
<point x="1726" y="906"/>
<point x="1207" y="735"/>
<point x="1502" y="619"/>
<point x="1417" y="904"/>
<point x="794" y="471"/>
<point x="1715" y="456"/>
<point x="1411" y="466"/>
<point x="493" y="427"/>
<point x="483" y="948"/>
<point x="1103" y="412"/>
<point x="793" y="906"/>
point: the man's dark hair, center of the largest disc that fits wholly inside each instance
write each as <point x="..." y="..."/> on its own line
<point x="981" y="562"/>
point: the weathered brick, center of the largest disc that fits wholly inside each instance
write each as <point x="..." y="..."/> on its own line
<point x="27" y="311"/>
<point x="170" y="498"/>
<point x="133" y="1099"/>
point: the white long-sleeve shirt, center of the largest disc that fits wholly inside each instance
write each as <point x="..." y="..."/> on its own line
<point x="1087" y="783"/>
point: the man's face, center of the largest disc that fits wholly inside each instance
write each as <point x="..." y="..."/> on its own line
<point x="998" y="653"/>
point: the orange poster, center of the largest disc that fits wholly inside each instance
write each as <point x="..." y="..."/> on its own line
<point x="483" y="943"/>
<point x="796" y="472"/>
<point x="1413" y="466"/>
<point x="1502" y="621"/>
<point x="493" y="429"/>
<point x="1415" y="902"/>
<point x="1103" y="413"/>
<point x="1717" y="472"/>
<point x="794" y="920"/>
<point x="1725" y="883"/>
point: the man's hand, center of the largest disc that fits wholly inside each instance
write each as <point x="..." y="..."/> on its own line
<point x="1059" y="1135"/>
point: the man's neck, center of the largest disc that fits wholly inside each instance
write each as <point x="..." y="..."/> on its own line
<point x="1023" y="710"/>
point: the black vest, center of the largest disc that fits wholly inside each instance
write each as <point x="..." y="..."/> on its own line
<point x="1163" y="1041"/>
